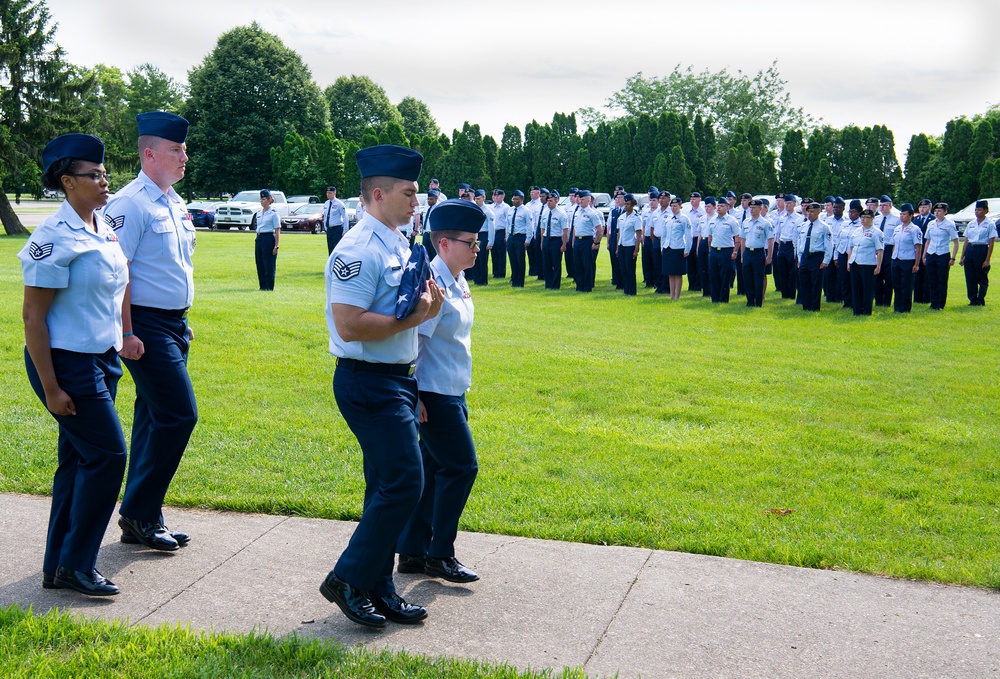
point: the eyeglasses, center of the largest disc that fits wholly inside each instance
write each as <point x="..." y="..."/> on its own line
<point x="472" y="244"/>
<point x="95" y="176"/>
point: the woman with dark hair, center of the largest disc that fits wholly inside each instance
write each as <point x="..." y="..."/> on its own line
<point x="939" y="255"/>
<point x="676" y="244"/>
<point x="864" y="262"/>
<point x="74" y="283"/>
<point x="980" y="235"/>
<point x="266" y="245"/>
<point x="629" y="242"/>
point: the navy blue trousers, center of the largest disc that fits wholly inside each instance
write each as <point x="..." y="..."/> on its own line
<point x="650" y="271"/>
<point x="584" y="265"/>
<point x="784" y="270"/>
<point x="267" y="261"/>
<point x="450" y="468"/>
<point x="863" y="288"/>
<point x="429" y="246"/>
<point x="481" y="269"/>
<point x="811" y="280"/>
<point x="535" y="256"/>
<point x="381" y="412"/>
<point x="977" y="279"/>
<point x="902" y="284"/>
<point x="883" y="280"/>
<point x="703" y="275"/>
<point x="616" y="272"/>
<point x="659" y="280"/>
<point x="844" y="278"/>
<point x="626" y="265"/>
<point x="515" y="249"/>
<point x="333" y="236"/>
<point x="91" y="454"/>
<point x="499" y="253"/>
<point x="570" y="258"/>
<point x="937" y="274"/>
<point x="720" y="271"/>
<point x="552" y="262"/>
<point x="164" y="414"/>
<point x="753" y="275"/>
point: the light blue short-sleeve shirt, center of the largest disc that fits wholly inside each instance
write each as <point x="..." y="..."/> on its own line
<point x="444" y="360"/>
<point x="364" y="271"/>
<point x="89" y="273"/>
<point x="157" y="236"/>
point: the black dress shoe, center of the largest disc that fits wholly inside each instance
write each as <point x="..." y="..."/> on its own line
<point x="49" y="581"/>
<point x="394" y="608"/>
<point x="153" y="535"/>
<point x="449" y="569"/>
<point x="128" y="537"/>
<point x="352" y="601"/>
<point x="410" y="563"/>
<point x="91" y="584"/>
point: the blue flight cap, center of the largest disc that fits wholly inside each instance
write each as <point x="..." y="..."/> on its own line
<point x="984" y="204"/>
<point x="480" y="192"/>
<point x="264" y="193"/>
<point x="885" y="199"/>
<point x="73" y="145"/>
<point x="838" y="201"/>
<point x="584" y="193"/>
<point x="855" y="205"/>
<point x="162" y="124"/>
<point x="766" y="202"/>
<point x="746" y="195"/>
<point x="573" y="191"/>
<point x="389" y="160"/>
<point x="456" y="214"/>
<point x="543" y="190"/>
<point x="464" y="187"/>
<point x="518" y="192"/>
<point x="695" y="194"/>
<point x="332" y="188"/>
<point x="433" y="192"/>
<point x="710" y="200"/>
<point x="553" y="194"/>
<point x="629" y="198"/>
<point x="830" y="199"/>
<point x="779" y="196"/>
<point x="756" y="202"/>
<point x="791" y="198"/>
<point x="730" y="194"/>
<point x="653" y="189"/>
<point x="924" y="201"/>
<point x="414" y="279"/>
<point x="908" y="207"/>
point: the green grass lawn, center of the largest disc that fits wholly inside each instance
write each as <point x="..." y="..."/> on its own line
<point x="55" y="645"/>
<point x="605" y="419"/>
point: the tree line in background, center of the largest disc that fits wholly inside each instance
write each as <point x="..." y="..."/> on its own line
<point x="258" y="119"/>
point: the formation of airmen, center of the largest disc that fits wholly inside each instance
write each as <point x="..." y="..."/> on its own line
<point x="857" y="255"/>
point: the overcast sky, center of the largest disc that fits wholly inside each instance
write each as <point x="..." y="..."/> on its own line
<point x="912" y="65"/>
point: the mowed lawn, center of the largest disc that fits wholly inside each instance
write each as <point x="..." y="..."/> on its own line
<point x="820" y="440"/>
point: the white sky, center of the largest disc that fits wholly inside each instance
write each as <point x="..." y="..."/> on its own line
<point x="912" y="65"/>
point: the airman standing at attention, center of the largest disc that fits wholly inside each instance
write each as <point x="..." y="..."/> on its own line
<point x="650" y="243"/>
<point x="555" y="233"/>
<point x="843" y="250"/>
<point x="757" y="243"/>
<point x="433" y="196"/>
<point x="907" y="243"/>
<point x="723" y="239"/>
<point x="940" y="252"/>
<point x="589" y="231"/>
<point x="815" y="249"/>
<point x="921" y="286"/>
<point x="486" y="239"/>
<point x="373" y="383"/>
<point x="887" y="223"/>
<point x="538" y="202"/>
<point x="521" y="229"/>
<point x="703" y="248"/>
<point x="831" y="276"/>
<point x="499" y="253"/>
<point x="787" y="235"/>
<point x="980" y="235"/>
<point x="571" y="210"/>
<point x="696" y="213"/>
<point x="334" y="219"/>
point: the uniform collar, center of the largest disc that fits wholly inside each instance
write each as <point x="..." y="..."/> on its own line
<point x="154" y="191"/>
<point x="67" y="214"/>
<point x="384" y="233"/>
<point x="440" y="270"/>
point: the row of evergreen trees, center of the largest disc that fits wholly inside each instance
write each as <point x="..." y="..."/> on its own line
<point x="673" y="153"/>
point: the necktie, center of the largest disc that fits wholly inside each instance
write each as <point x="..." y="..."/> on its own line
<point x="882" y="225"/>
<point x="809" y="235"/>
<point x="548" y="227"/>
<point x="329" y="209"/>
<point x="513" y="220"/>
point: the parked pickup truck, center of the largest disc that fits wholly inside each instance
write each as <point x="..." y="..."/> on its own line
<point x="242" y="209"/>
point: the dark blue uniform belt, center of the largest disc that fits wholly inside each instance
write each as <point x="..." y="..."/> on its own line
<point x="729" y="247"/>
<point x="172" y="313"/>
<point x="399" y="369"/>
<point x="754" y="249"/>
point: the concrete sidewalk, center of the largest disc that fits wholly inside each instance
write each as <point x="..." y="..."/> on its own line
<point x="539" y="604"/>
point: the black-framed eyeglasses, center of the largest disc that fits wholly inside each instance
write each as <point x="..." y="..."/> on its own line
<point x="473" y="244"/>
<point x="93" y="176"/>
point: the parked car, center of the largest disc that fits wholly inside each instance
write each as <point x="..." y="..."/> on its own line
<point x="602" y="202"/>
<point x="242" y="210"/>
<point x="968" y="213"/>
<point x="304" y="217"/>
<point x="351" y="207"/>
<point x="303" y="199"/>
<point x="202" y="212"/>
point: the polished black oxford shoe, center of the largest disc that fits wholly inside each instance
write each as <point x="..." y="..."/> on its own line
<point x="91" y="584"/>
<point x="153" y="535"/>
<point x="395" y="609"/>
<point x="352" y="601"/>
<point x="449" y="569"/>
<point x="410" y="563"/>
<point x="129" y="538"/>
<point x="49" y="581"/>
